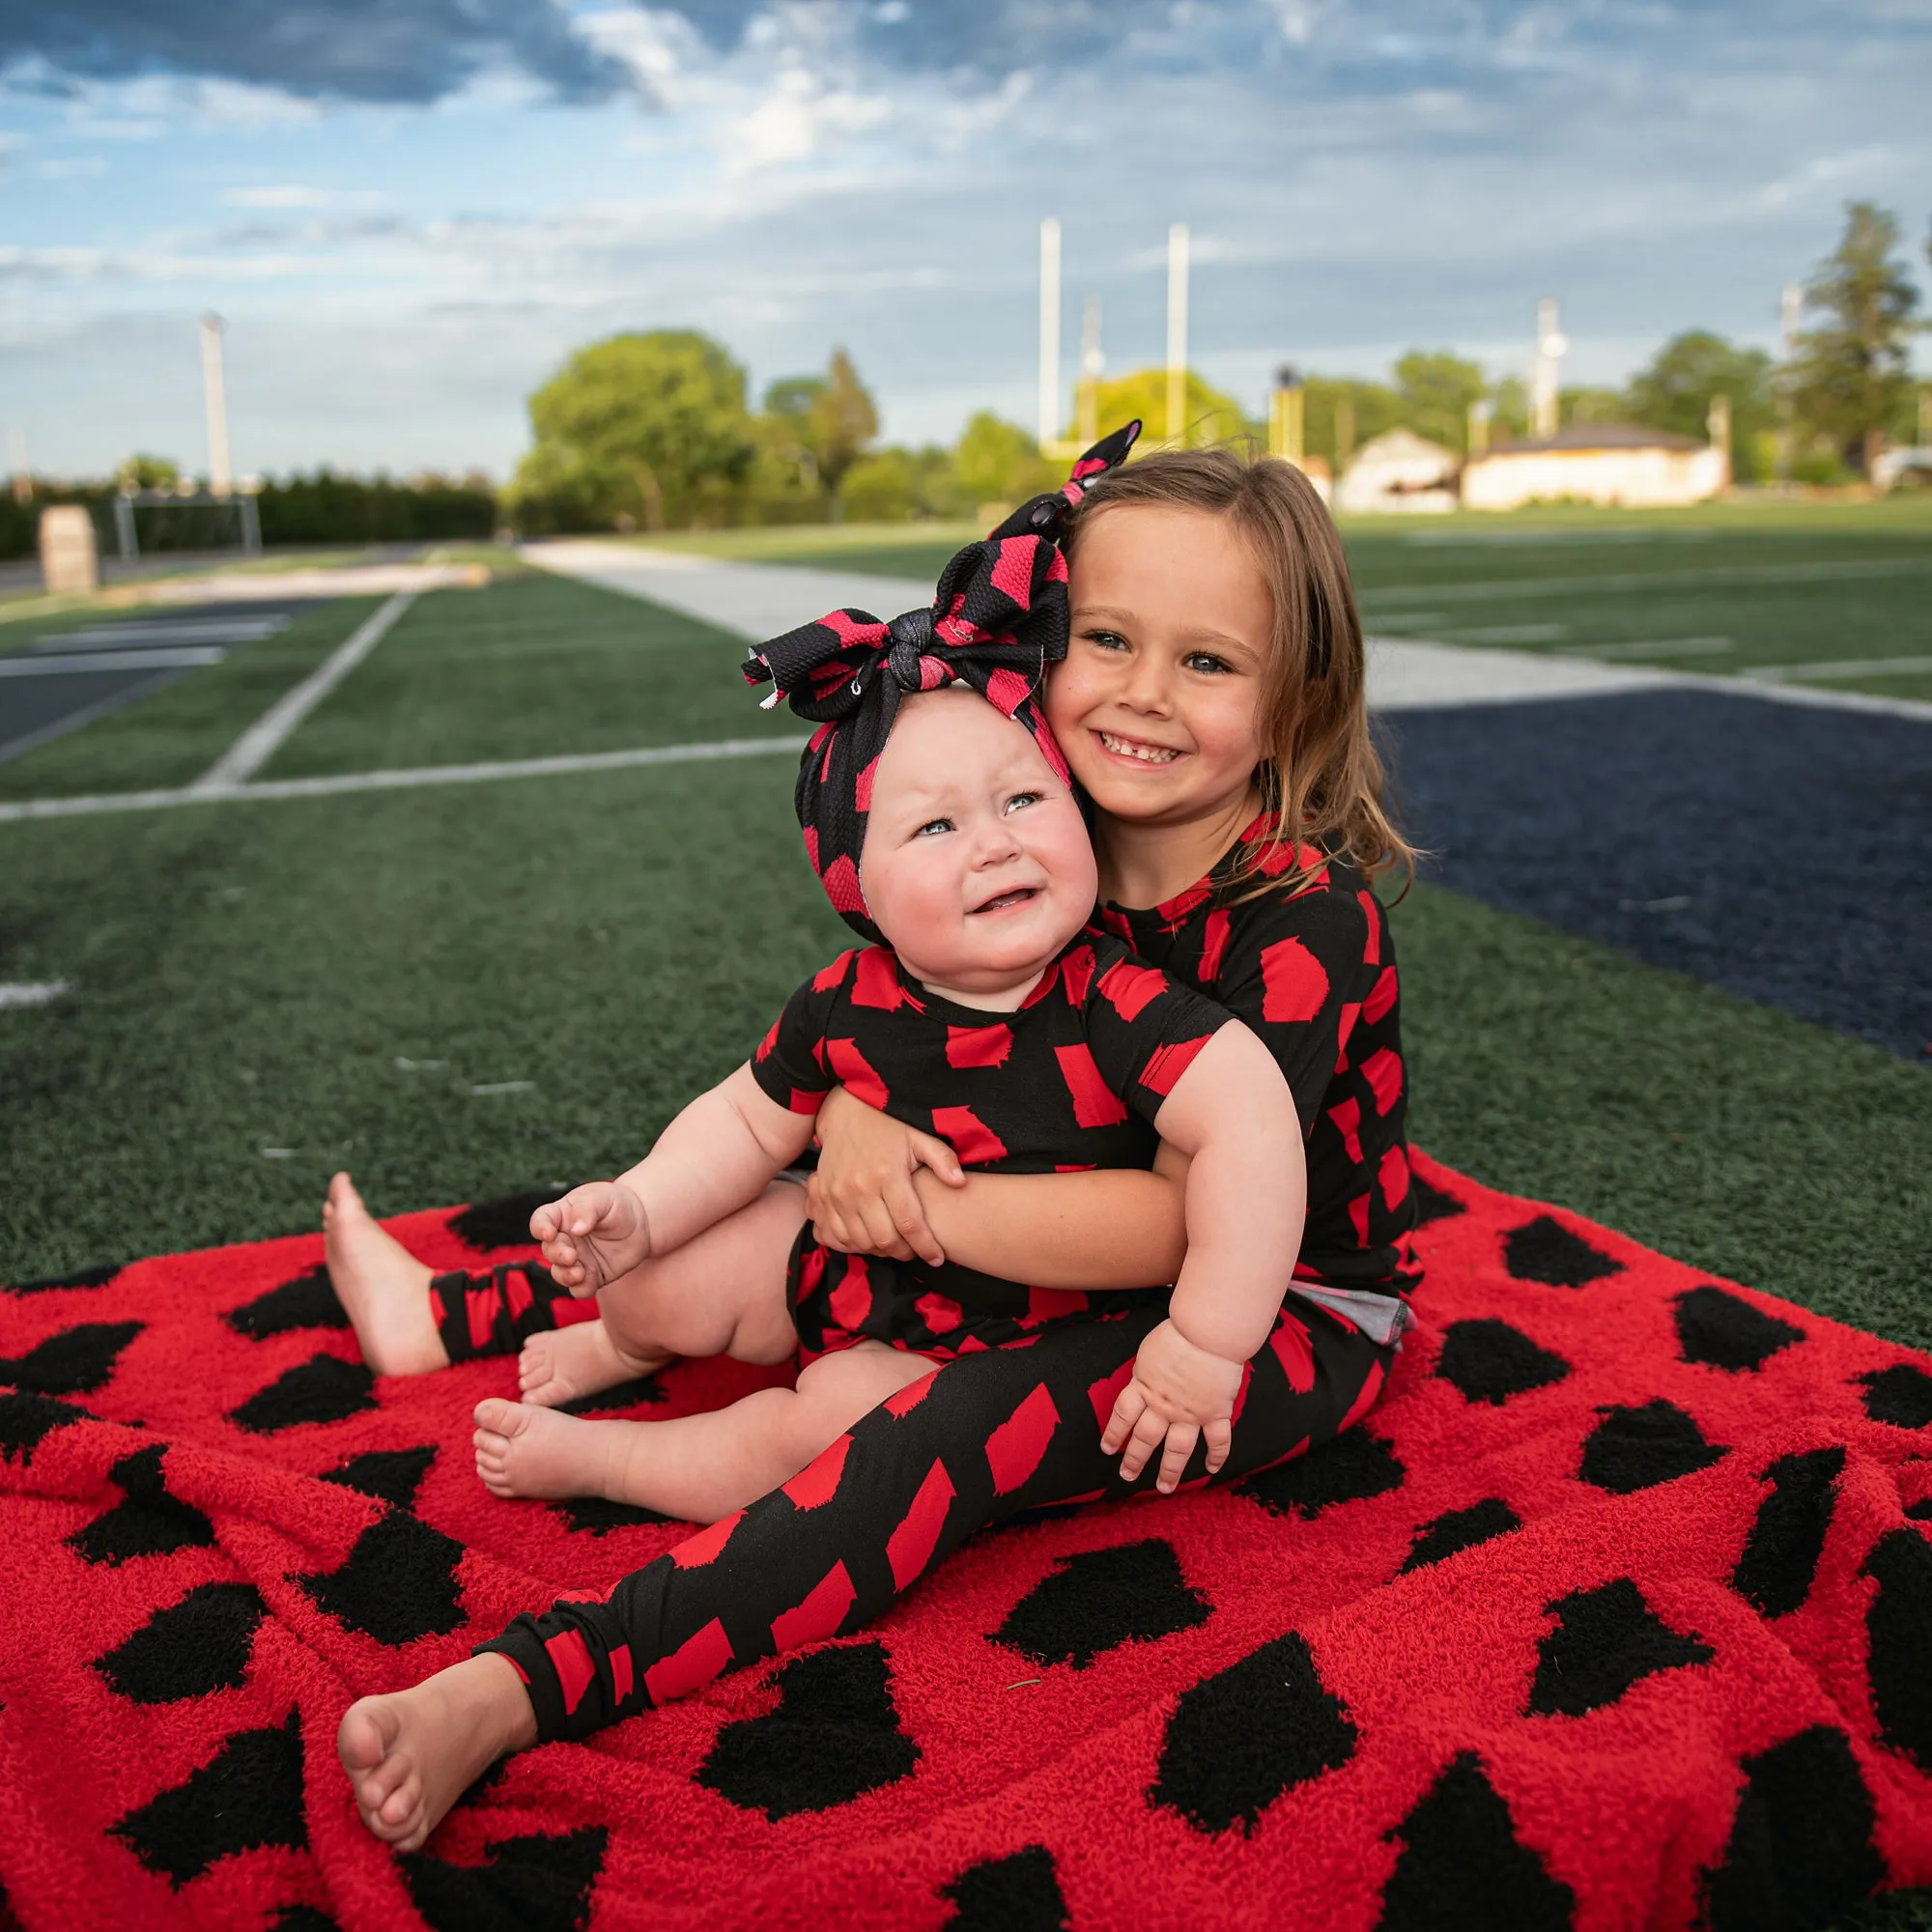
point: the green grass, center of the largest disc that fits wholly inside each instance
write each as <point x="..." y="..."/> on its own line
<point x="175" y="735"/>
<point x="532" y="667"/>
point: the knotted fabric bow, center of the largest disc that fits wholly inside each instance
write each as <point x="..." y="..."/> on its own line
<point x="1000" y="617"/>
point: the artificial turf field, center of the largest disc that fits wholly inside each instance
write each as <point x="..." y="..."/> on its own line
<point x="461" y="990"/>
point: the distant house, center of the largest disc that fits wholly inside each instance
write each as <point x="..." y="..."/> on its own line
<point x="1399" y="471"/>
<point x="1597" y="463"/>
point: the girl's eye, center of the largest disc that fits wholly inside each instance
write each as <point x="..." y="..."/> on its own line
<point x="1020" y="799"/>
<point x="1105" y="640"/>
<point x="1208" y="662"/>
<point x="933" y="825"/>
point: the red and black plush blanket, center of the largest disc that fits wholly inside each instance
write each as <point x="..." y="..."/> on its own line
<point x="1617" y="1611"/>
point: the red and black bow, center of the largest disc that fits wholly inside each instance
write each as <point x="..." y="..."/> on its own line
<point x="1000" y="617"/>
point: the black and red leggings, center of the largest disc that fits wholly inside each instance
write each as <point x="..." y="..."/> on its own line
<point x="977" y="1440"/>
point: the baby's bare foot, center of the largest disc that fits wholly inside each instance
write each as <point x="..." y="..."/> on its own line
<point x="383" y="1288"/>
<point x="412" y="1754"/>
<point x="526" y="1450"/>
<point x="585" y="1359"/>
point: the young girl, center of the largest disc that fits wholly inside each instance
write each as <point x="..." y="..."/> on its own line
<point x="1212" y="706"/>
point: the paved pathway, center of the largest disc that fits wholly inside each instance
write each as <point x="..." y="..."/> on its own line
<point x="760" y="600"/>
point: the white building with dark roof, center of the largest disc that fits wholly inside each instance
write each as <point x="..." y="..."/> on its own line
<point x="1597" y="463"/>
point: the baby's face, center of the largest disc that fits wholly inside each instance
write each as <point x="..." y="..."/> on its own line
<point x="977" y="865"/>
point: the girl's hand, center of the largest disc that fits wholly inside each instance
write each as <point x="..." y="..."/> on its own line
<point x="861" y="1197"/>
<point x="594" y="1234"/>
<point x="1178" y="1395"/>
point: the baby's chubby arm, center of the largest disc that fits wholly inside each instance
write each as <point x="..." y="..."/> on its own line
<point x="1246" y="1199"/>
<point x="718" y="1156"/>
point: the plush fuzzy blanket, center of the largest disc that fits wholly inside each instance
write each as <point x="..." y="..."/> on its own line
<point x="1616" y="1612"/>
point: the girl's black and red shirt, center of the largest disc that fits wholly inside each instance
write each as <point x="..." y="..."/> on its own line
<point x="1070" y="1080"/>
<point x="1308" y="962"/>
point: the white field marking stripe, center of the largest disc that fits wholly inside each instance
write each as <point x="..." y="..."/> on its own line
<point x="150" y="660"/>
<point x="168" y="630"/>
<point x="1833" y="668"/>
<point x="1651" y="647"/>
<point x="259" y="742"/>
<point x="401" y="781"/>
<point x="1736" y="575"/>
<point x="30" y="992"/>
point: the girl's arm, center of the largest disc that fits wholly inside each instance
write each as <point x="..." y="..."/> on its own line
<point x="1246" y="1198"/>
<point x="718" y="1156"/>
<point x="882" y="1187"/>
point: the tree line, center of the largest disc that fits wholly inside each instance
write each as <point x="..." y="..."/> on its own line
<point x="654" y="431"/>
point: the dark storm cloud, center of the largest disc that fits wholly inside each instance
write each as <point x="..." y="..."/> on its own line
<point x="415" y="51"/>
<point x="392" y="51"/>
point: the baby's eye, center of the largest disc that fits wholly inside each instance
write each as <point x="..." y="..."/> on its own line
<point x="1105" y="640"/>
<point x="933" y="825"/>
<point x="1020" y="799"/>
<point x="1208" y="662"/>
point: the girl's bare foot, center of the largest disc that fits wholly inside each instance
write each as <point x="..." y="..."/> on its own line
<point x="526" y="1450"/>
<point x="585" y="1359"/>
<point x="383" y="1288"/>
<point x="412" y="1754"/>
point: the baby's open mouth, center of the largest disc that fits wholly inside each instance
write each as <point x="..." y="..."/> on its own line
<point x="1135" y="748"/>
<point x="1006" y="901"/>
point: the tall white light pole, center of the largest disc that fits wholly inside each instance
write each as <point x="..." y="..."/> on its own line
<point x="215" y="395"/>
<point x="1177" y="331"/>
<point x="1551" y="346"/>
<point x="1049" y="331"/>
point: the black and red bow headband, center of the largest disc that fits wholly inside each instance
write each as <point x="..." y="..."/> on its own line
<point x="1000" y="617"/>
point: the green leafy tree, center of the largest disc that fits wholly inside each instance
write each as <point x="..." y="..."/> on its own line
<point x="997" y="462"/>
<point x="651" y="427"/>
<point x="1208" y="416"/>
<point x="1437" y="389"/>
<point x="1509" y="410"/>
<point x="150" y="472"/>
<point x="1850" y="372"/>
<point x="843" y="421"/>
<point x="1591" y="406"/>
<point x="882" y="488"/>
<point x="1675" y="392"/>
<point x="1339" y="415"/>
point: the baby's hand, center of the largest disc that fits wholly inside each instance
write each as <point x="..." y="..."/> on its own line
<point x="594" y="1234"/>
<point x="1178" y="1394"/>
<point x="861" y="1197"/>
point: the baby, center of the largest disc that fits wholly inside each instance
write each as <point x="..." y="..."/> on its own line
<point x="995" y="1021"/>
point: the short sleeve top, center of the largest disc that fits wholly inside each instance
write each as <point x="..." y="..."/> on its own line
<point x="1070" y="1080"/>
<point x="1309" y="965"/>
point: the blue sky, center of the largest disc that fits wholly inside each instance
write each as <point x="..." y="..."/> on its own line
<point x="409" y="210"/>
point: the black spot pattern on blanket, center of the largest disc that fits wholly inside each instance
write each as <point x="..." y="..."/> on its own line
<point x="1604" y="1640"/>
<point x="1488" y="1362"/>
<point x="834" y="1734"/>
<point x="398" y="1583"/>
<point x="1352" y="1468"/>
<point x="1099" y="1599"/>
<point x="1017" y="1893"/>
<point x="533" y="1884"/>
<point x="308" y="1302"/>
<point x="1545" y="1250"/>
<point x="1633" y="1449"/>
<point x="1787" y="1537"/>
<point x="1241" y="1737"/>
<point x="147" y="1521"/>
<point x="77" y="1361"/>
<point x="1461" y="1529"/>
<point x="1724" y="1331"/>
<point x="190" y="1649"/>
<point x="322" y="1389"/>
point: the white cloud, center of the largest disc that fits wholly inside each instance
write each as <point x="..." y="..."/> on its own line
<point x="287" y="194"/>
<point x="71" y="167"/>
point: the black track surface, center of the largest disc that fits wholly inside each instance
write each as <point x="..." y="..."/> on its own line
<point x="1779" y="851"/>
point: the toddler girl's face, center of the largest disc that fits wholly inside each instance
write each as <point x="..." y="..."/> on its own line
<point x="977" y="865"/>
<point x="1157" y="705"/>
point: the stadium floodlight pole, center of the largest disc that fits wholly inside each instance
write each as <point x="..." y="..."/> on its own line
<point x="214" y="394"/>
<point x="1177" y="331"/>
<point x="1551" y="347"/>
<point x="1049" y="331"/>
<point x="1092" y="366"/>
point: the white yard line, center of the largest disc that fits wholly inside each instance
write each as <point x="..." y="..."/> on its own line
<point x="264" y="738"/>
<point x="408" y="779"/>
<point x="167" y="658"/>
<point x="1835" y="667"/>
<point x="15" y="993"/>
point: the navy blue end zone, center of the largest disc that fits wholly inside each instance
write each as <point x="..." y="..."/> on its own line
<point x="1782" y="852"/>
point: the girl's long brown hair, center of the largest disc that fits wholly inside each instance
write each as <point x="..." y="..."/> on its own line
<point x="1322" y="775"/>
